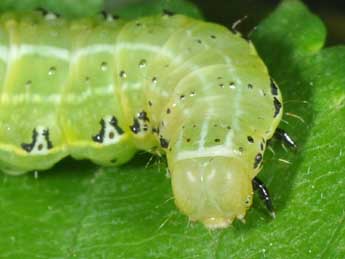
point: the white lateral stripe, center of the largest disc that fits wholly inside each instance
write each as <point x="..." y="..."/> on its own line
<point x="136" y="46"/>
<point x="219" y="150"/>
<point x="89" y="92"/>
<point x="146" y="47"/>
<point x="46" y="51"/>
<point x="59" y="53"/>
<point x="67" y="55"/>
<point x="30" y="98"/>
<point x="91" y="50"/>
<point x="56" y="98"/>
<point x="131" y="86"/>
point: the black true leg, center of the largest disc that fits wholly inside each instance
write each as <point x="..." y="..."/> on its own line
<point x="281" y="135"/>
<point x="260" y="187"/>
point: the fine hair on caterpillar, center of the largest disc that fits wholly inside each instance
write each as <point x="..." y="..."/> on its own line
<point x="102" y="88"/>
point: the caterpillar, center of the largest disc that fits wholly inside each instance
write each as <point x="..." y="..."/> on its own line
<point x="102" y="88"/>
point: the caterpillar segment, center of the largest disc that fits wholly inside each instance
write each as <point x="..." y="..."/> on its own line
<point x="102" y="88"/>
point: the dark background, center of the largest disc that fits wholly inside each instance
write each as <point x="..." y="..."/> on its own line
<point x="227" y="12"/>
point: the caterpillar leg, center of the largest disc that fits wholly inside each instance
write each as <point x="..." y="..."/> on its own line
<point x="47" y="14"/>
<point x="281" y="135"/>
<point x="264" y="195"/>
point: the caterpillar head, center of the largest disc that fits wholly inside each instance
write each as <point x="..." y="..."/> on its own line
<point x="213" y="190"/>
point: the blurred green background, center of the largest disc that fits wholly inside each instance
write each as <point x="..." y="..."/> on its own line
<point x="227" y="12"/>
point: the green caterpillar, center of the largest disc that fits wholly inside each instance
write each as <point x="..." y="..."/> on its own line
<point x="102" y="88"/>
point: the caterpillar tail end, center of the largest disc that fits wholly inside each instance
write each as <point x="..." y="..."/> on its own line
<point x="214" y="191"/>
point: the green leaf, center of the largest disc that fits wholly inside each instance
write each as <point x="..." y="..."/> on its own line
<point x="152" y="7"/>
<point x="80" y="8"/>
<point x="82" y="211"/>
<point x="75" y="8"/>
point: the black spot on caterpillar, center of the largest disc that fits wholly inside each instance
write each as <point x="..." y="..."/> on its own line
<point x="274" y="88"/>
<point x="103" y="89"/>
<point x="40" y="140"/>
<point x="258" y="159"/>
<point x="164" y="143"/>
<point x="105" y="132"/>
<point x="277" y="106"/>
<point x="140" y="123"/>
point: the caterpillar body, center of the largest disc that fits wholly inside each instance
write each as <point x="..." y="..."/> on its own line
<point x="102" y="88"/>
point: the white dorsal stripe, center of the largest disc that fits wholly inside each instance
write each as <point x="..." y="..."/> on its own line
<point x="203" y="134"/>
<point x="229" y="139"/>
